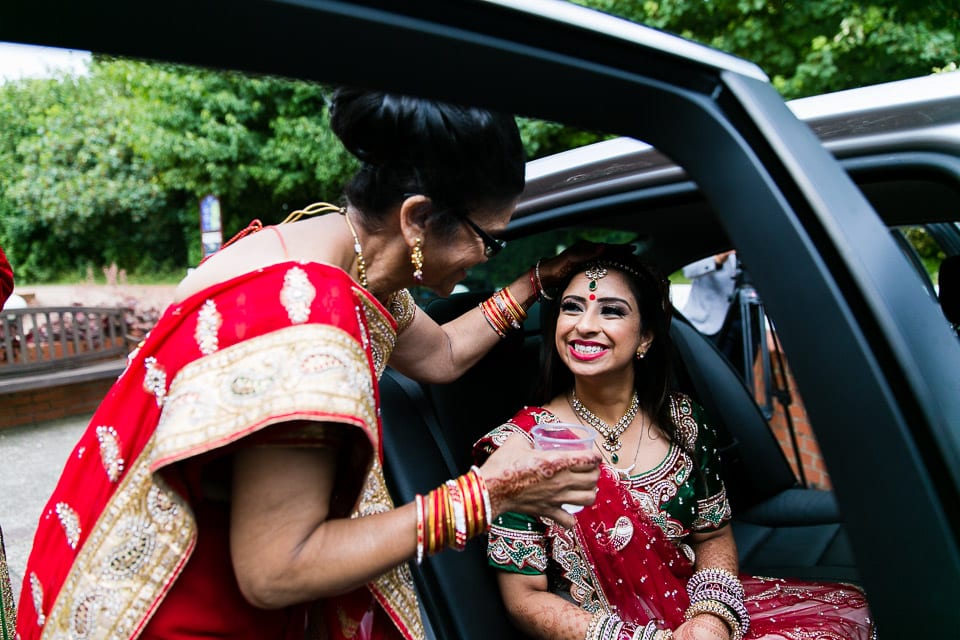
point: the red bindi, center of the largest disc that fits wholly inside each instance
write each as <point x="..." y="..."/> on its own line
<point x="593" y="297"/>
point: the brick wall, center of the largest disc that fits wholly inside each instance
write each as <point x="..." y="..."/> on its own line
<point x="52" y="403"/>
<point x="813" y="465"/>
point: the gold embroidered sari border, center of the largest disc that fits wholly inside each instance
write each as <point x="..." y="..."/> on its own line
<point x="309" y="372"/>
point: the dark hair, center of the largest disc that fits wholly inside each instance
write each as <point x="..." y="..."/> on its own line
<point x="653" y="373"/>
<point x="462" y="158"/>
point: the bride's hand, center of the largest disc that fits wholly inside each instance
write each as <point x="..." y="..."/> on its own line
<point x="702" y="627"/>
<point x="525" y="480"/>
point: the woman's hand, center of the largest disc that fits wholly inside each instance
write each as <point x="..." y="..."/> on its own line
<point x="703" y="627"/>
<point x="554" y="270"/>
<point x="525" y="480"/>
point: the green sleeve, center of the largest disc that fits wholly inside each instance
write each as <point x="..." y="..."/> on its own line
<point x="517" y="543"/>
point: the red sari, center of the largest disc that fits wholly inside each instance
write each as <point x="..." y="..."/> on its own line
<point x="134" y="540"/>
<point x="627" y="555"/>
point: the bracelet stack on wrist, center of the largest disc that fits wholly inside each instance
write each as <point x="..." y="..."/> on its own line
<point x="451" y="514"/>
<point x="719" y="592"/>
<point x="503" y="312"/>
<point x="651" y="632"/>
<point x="607" y="626"/>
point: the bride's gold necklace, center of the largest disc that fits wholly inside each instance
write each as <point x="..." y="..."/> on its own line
<point x="611" y="435"/>
<point x="318" y="208"/>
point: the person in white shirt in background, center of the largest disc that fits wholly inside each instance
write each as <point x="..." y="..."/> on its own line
<point x="713" y="285"/>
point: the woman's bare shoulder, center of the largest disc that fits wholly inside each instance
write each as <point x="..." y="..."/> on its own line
<point x="252" y="252"/>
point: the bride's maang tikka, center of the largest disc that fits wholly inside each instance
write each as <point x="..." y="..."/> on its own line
<point x="597" y="270"/>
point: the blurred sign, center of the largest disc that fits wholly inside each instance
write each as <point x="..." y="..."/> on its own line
<point x="211" y="234"/>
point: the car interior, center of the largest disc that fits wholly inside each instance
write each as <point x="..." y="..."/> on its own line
<point x="782" y="528"/>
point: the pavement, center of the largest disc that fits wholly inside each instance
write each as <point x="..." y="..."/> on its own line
<point x="31" y="459"/>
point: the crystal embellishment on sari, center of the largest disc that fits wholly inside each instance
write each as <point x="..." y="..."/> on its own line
<point x="155" y="380"/>
<point x="70" y="523"/>
<point x="164" y="511"/>
<point x="208" y="325"/>
<point x="36" y="592"/>
<point x="297" y="295"/>
<point x="110" y="452"/>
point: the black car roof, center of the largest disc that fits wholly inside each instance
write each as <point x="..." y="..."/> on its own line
<point x="920" y="114"/>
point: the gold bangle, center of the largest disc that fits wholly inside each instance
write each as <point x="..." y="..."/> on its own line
<point x="717" y="608"/>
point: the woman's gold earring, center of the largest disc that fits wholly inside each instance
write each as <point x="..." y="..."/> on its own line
<point x="641" y="354"/>
<point x="416" y="258"/>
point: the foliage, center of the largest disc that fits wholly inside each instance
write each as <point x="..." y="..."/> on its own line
<point x="809" y="47"/>
<point x="109" y="167"/>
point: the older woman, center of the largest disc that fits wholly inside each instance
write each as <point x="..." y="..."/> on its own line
<point x="230" y="484"/>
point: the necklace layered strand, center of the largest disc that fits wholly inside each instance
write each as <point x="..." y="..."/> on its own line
<point x="611" y="434"/>
<point x="361" y="263"/>
<point x="321" y="208"/>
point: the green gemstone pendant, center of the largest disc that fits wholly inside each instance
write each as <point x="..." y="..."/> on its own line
<point x="593" y="285"/>
<point x="614" y="458"/>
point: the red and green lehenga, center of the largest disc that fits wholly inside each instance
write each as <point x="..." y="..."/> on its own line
<point x="627" y="555"/>
<point x="134" y="540"/>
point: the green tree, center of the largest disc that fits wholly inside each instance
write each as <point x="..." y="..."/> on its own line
<point x="109" y="167"/>
<point x="813" y="46"/>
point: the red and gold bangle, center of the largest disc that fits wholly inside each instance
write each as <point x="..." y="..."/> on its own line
<point x="459" y="516"/>
<point x="485" y="496"/>
<point x="505" y="312"/>
<point x="481" y="500"/>
<point x="493" y="317"/>
<point x="473" y="504"/>
<point x="420" y="518"/>
<point x="431" y="522"/>
<point x="516" y="309"/>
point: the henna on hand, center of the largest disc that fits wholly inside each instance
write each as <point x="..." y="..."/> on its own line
<point x="556" y="622"/>
<point x="515" y="480"/>
<point x="704" y="626"/>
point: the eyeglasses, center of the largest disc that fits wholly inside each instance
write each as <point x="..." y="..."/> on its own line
<point x="491" y="245"/>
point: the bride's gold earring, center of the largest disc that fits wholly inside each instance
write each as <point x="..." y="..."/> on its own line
<point x="416" y="259"/>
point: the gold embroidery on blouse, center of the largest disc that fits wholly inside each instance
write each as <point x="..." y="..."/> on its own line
<point x="402" y="307"/>
<point x="379" y="331"/>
